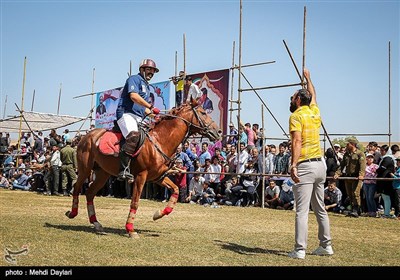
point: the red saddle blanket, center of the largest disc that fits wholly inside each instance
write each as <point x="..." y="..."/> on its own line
<point x="109" y="143"/>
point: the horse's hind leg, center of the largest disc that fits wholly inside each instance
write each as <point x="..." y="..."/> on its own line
<point x="100" y="179"/>
<point x="84" y="173"/>
<point x="138" y="185"/>
<point x="166" y="182"/>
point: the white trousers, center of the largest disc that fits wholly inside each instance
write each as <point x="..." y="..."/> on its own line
<point x="128" y="122"/>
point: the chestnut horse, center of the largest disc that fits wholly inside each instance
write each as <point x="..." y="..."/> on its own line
<point x="151" y="164"/>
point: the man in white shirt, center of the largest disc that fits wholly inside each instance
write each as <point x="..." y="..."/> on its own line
<point x="193" y="91"/>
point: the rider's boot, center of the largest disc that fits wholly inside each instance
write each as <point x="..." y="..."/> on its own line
<point x="124" y="163"/>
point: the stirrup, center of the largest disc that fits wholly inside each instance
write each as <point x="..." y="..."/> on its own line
<point x="124" y="175"/>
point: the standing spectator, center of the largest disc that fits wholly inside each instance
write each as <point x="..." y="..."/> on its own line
<point x="180" y="179"/>
<point x="331" y="163"/>
<point x="179" y="84"/>
<point x="68" y="167"/>
<point x="52" y="177"/>
<point x="233" y="135"/>
<point x="308" y="170"/>
<point x="369" y="185"/>
<point x="281" y="160"/>
<point x="373" y="149"/>
<point x="66" y="135"/>
<point x="385" y="188"/>
<point x="354" y="164"/>
<point x="205" y="154"/>
<point x="193" y="90"/>
<point x="396" y="185"/>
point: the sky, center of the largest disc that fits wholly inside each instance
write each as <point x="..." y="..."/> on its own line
<point x="346" y="51"/>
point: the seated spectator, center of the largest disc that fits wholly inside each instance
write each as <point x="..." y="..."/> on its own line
<point x="22" y="181"/>
<point x="332" y="197"/>
<point x="250" y="183"/>
<point x="195" y="188"/>
<point x="208" y="194"/>
<point x="4" y="182"/>
<point x="272" y="194"/>
<point x="286" y="196"/>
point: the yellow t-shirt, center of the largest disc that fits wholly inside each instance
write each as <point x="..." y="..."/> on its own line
<point x="307" y="120"/>
<point x="179" y="85"/>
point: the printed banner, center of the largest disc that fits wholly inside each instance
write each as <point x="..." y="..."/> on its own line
<point x="107" y="103"/>
<point x="159" y="96"/>
<point x="106" y="107"/>
<point x="215" y="93"/>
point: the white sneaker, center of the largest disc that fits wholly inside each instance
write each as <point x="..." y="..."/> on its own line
<point x="297" y="254"/>
<point x="321" y="251"/>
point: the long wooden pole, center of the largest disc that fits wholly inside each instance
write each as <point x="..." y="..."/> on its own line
<point x="5" y="106"/>
<point x="176" y="73"/>
<point x="22" y="109"/>
<point x="390" y="104"/>
<point x="239" y="84"/>
<point x="33" y="100"/>
<point x="304" y="47"/>
<point x="59" y="100"/>
<point x="184" y="53"/>
<point x="91" y="104"/>
<point x="263" y="158"/>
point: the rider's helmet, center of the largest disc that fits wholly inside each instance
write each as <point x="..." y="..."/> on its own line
<point x="148" y="63"/>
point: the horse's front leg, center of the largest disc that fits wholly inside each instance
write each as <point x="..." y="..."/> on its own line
<point x="100" y="179"/>
<point x="138" y="185"/>
<point x="166" y="182"/>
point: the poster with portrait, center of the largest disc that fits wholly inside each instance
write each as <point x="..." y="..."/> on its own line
<point x="107" y="103"/>
<point x="106" y="107"/>
<point x="159" y="95"/>
<point x="214" y="86"/>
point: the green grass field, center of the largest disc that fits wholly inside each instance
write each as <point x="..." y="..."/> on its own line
<point x="191" y="235"/>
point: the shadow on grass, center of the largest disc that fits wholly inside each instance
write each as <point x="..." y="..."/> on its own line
<point x="243" y="250"/>
<point x="107" y="230"/>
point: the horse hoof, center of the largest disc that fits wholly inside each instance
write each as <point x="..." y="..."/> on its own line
<point x="157" y="215"/>
<point x="99" y="228"/>
<point x="69" y="214"/>
<point x="133" y="234"/>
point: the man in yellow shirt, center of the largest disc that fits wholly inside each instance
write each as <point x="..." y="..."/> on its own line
<point x="308" y="170"/>
<point x="179" y="83"/>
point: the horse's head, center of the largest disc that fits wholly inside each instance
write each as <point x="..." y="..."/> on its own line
<point x="199" y="121"/>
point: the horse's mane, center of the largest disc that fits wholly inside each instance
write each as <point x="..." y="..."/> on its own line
<point x="172" y="113"/>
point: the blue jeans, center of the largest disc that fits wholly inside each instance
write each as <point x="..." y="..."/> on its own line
<point x="369" y="190"/>
<point x="386" y="203"/>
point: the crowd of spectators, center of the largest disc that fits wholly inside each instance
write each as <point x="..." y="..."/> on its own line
<point x="217" y="174"/>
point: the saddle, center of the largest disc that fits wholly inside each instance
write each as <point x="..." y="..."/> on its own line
<point x="109" y="143"/>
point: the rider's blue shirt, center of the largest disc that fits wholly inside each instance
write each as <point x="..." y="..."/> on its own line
<point x="135" y="83"/>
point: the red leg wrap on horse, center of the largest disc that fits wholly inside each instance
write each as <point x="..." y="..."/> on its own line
<point x="73" y="213"/>
<point x="133" y="211"/>
<point x="129" y="227"/>
<point x="167" y="210"/>
<point x="93" y="219"/>
<point x="176" y="195"/>
<point x="90" y="202"/>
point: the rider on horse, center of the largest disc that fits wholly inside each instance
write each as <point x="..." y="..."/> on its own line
<point x="133" y="106"/>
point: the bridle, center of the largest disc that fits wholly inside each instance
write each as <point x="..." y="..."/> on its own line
<point x="205" y="129"/>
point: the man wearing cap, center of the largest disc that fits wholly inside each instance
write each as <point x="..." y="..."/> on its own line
<point x="233" y="135"/>
<point x="193" y="90"/>
<point x="353" y="165"/>
<point x="134" y="105"/>
<point x="68" y="167"/>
